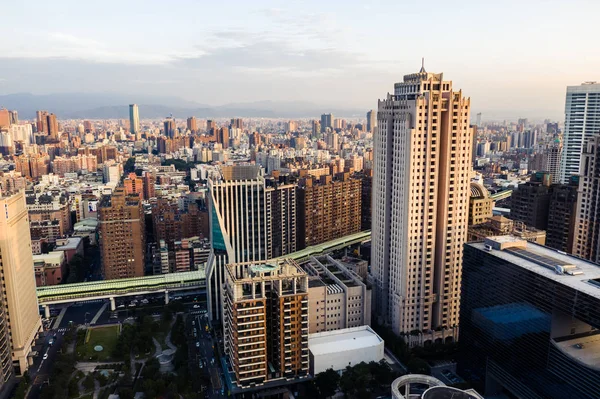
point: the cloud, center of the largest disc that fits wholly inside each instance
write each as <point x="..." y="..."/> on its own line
<point x="64" y="46"/>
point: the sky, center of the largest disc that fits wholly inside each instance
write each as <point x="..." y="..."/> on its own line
<point x="513" y="58"/>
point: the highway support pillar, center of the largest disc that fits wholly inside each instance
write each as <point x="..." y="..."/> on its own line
<point x="113" y="307"/>
<point x="166" y="297"/>
<point x="47" y="311"/>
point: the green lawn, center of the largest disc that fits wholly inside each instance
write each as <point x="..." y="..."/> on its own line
<point x="105" y="336"/>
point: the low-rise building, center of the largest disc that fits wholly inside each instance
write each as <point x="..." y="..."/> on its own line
<point x="70" y="246"/>
<point x="342" y="348"/>
<point x="49" y="268"/>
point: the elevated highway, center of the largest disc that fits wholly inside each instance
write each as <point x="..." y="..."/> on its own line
<point x="164" y="283"/>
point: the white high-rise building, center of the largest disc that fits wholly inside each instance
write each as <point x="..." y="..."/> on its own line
<point x="582" y="121"/>
<point x="111" y="172"/>
<point x="422" y="164"/>
<point x="134" y="119"/>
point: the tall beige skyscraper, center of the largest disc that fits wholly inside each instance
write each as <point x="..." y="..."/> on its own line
<point x="422" y="161"/>
<point x="19" y="312"/>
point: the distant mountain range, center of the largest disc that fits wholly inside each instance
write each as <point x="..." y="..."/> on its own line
<point x="112" y="106"/>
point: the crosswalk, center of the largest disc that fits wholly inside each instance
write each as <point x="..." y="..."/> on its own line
<point x="62" y="330"/>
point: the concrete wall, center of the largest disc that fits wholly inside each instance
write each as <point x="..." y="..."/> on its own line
<point x="340" y="360"/>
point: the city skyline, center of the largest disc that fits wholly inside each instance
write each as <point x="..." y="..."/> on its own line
<point x="316" y="52"/>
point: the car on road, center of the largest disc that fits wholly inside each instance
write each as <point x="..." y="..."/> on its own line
<point x="196" y="306"/>
<point x="45" y="356"/>
<point x="197" y="344"/>
<point x="51" y="342"/>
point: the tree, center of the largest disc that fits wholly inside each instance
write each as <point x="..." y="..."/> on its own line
<point x="178" y="332"/>
<point x="417" y="365"/>
<point x="327" y="383"/>
<point x="166" y="316"/>
<point x="76" y="270"/>
<point x="21" y="389"/>
<point x="88" y="382"/>
<point x="129" y="166"/>
<point x="126" y="393"/>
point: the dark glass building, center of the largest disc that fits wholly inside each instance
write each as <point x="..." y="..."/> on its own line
<point x="530" y="201"/>
<point x="561" y="215"/>
<point x="529" y="321"/>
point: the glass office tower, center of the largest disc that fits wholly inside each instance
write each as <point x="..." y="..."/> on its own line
<point x="529" y="320"/>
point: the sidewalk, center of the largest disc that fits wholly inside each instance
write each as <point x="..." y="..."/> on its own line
<point x="99" y="313"/>
<point x="60" y="317"/>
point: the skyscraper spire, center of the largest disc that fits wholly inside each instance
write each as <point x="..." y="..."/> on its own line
<point x="422" y="65"/>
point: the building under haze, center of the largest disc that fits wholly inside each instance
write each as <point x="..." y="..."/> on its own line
<point x="582" y="121"/>
<point x="326" y="122"/>
<point x="421" y="181"/>
<point x="192" y="124"/>
<point x="19" y="313"/>
<point x="371" y="121"/>
<point x="122" y="235"/>
<point x="134" y="119"/>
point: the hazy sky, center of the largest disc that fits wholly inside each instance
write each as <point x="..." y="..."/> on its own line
<point x="513" y="58"/>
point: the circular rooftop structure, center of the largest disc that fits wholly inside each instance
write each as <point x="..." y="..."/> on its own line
<point x="403" y="384"/>
<point x="420" y="386"/>
<point x="479" y="191"/>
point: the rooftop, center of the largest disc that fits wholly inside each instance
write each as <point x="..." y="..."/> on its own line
<point x="347" y="339"/>
<point x="568" y="270"/>
<point x="264" y="270"/>
<point x="72" y="243"/>
<point x="586" y="349"/>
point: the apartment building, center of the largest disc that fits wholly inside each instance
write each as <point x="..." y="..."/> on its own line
<point x="328" y="208"/>
<point x="265" y="322"/>
<point x="122" y="235"/>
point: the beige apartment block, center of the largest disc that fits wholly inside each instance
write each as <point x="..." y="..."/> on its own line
<point x="338" y="298"/>
<point x="19" y="313"/>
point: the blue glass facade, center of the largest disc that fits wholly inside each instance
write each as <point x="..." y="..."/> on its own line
<point x="525" y="333"/>
<point x="218" y="241"/>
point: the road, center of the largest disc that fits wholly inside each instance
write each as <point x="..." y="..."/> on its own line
<point x="40" y="370"/>
<point x="201" y="347"/>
